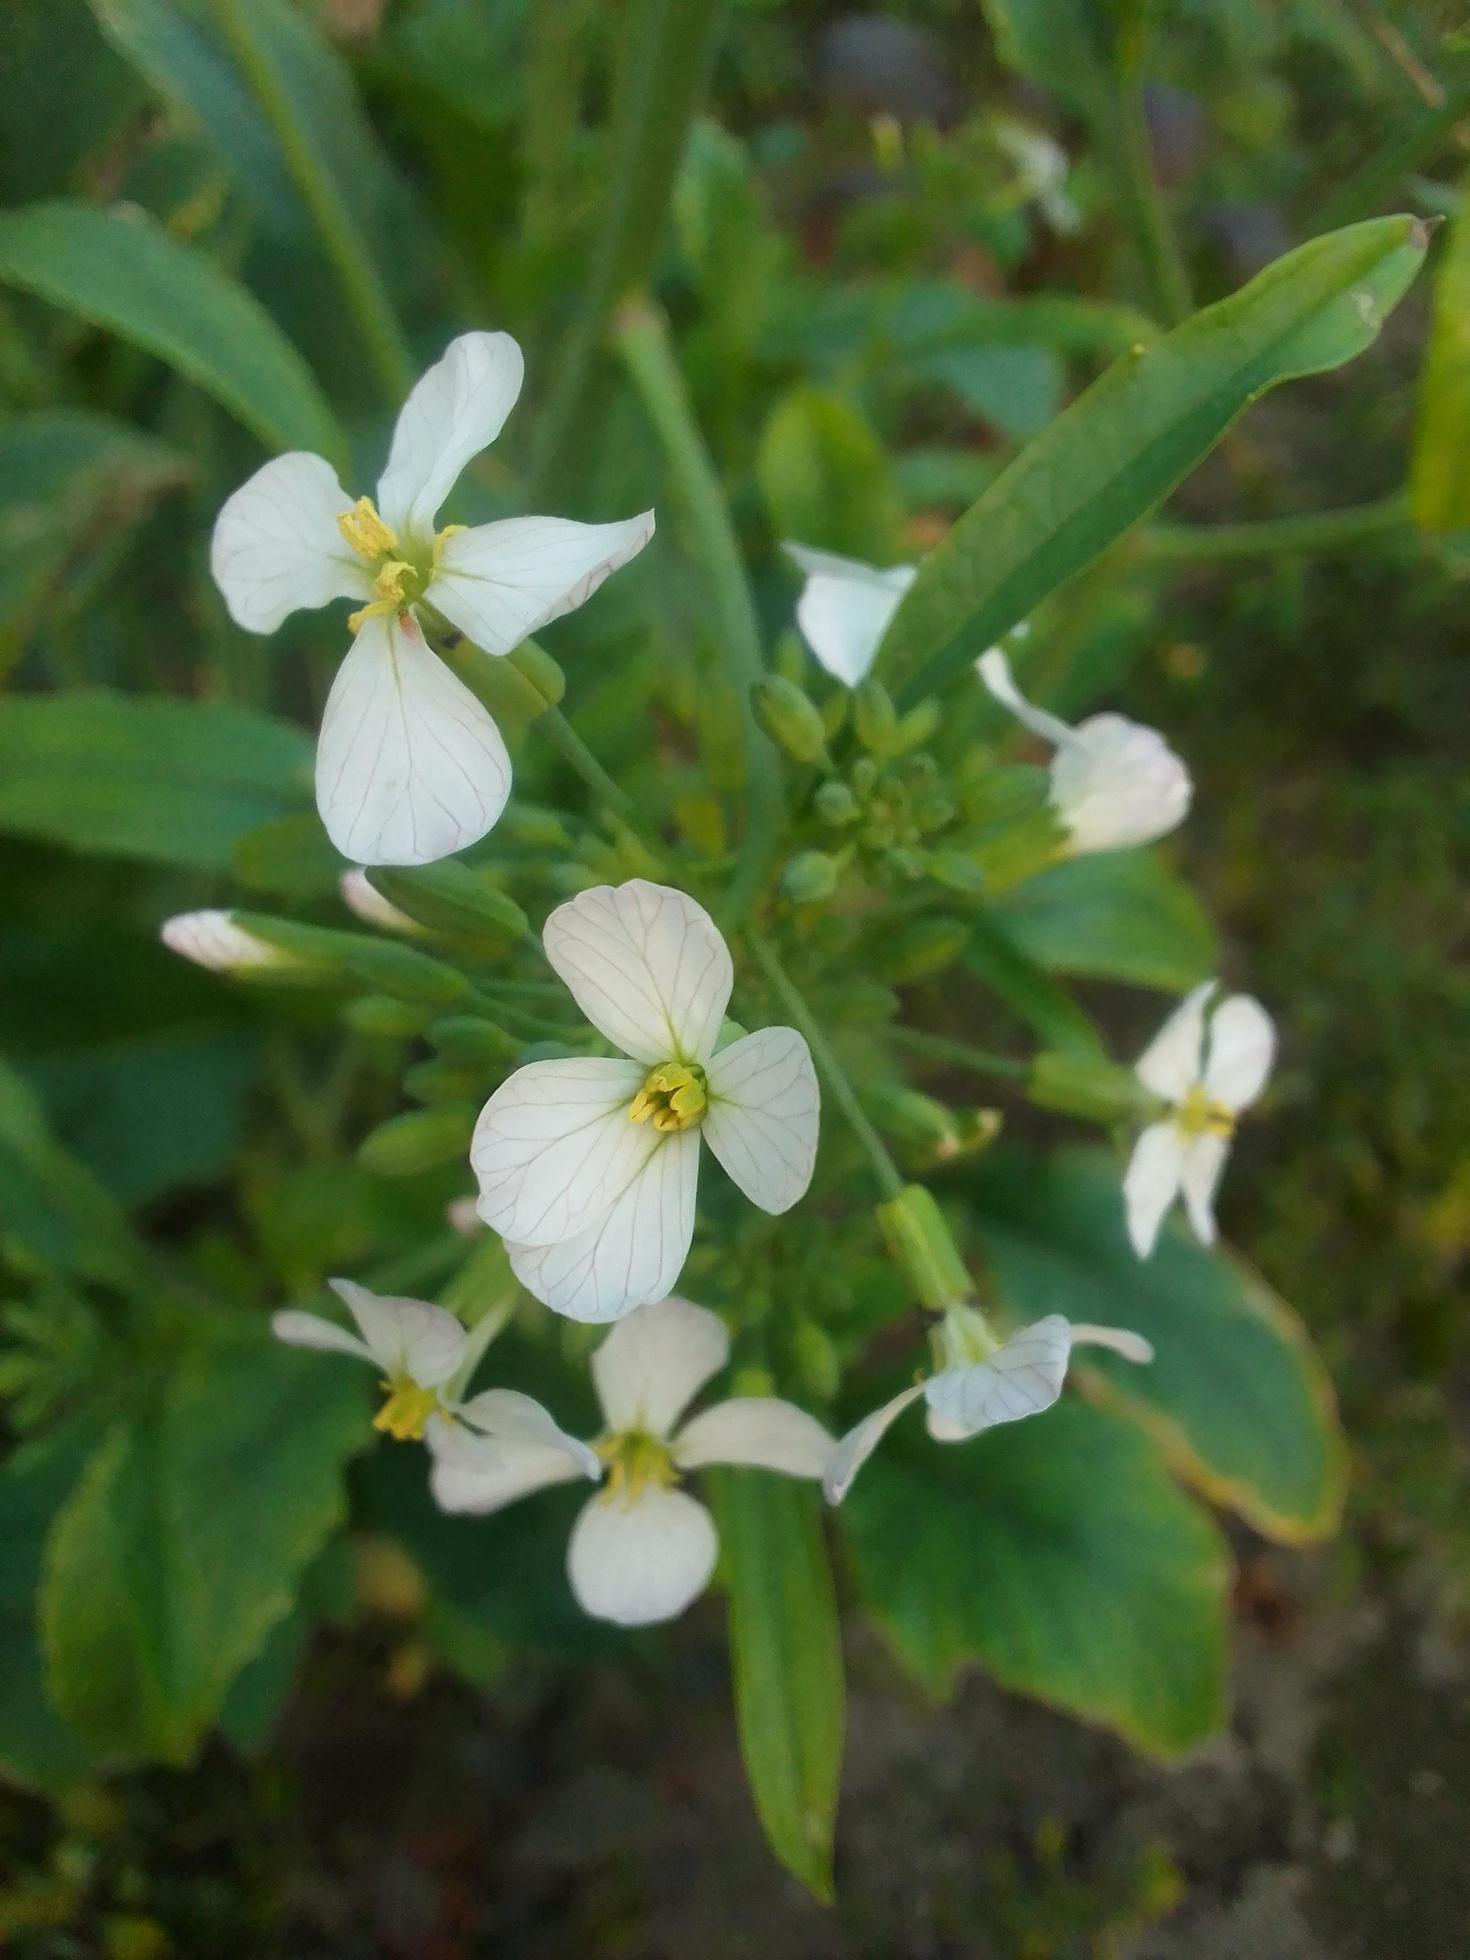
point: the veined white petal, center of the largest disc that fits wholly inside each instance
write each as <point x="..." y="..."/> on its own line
<point x="276" y="545"/>
<point x="634" y="1254"/>
<point x="554" y="1147"/>
<point x="640" y="1562"/>
<point x="1116" y="784"/>
<point x="409" y="765"/>
<point x="498" y="583"/>
<point x="1241" y="1049"/>
<point x="654" y="1363"/>
<point x="457" y="408"/>
<point x="646" y="965"/>
<point x="760" y="1430"/>
<point x="514" y="1420"/>
<point x="853" y="1451"/>
<point x="213" y="940"/>
<point x="763" y="1115"/>
<point x="1151" y="1182"/>
<point x="310" y="1330"/>
<point x="995" y="670"/>
<point x="477" y="1474"/>
<point x="845" y="607"/>
<point x="1200" y="1172"/>
<point x="1023" y="1377"/>
<point x="1122" y="1340"/>
<point x="369" y="905"/>
<point x="1171" y="1065"/>
<point x="405" y="1337"/>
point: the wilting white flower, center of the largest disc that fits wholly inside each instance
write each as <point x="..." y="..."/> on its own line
<point x="1208" y="1072"/>
<point x="845" y="607"/>
<point x="1021" y="1377"/>
<point x="213" y="940"/>
<point x="418" y="1347"/>
<point x="370" y="905"/>
<point x="587" y="1167"/>
<point x="1113" y="781"/>
<point x="642" y="1549"/>
<point x="410" y="766"/>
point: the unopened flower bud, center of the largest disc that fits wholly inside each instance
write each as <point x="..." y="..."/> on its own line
<point x="380" y="1017"/>
<point x="1086" y="1085"/>
<point x="439" y="1081"/>
<point x="874" y="717"/>
<point x="916" y="727"/>
<point x="369" y="905"/>
<point x="917" y="1236"/>
<point x="217" y="942"/>
<point x="419" y="1140"/>
<point x="810" y="877"/>
<point x="790" y="718"/>
<point x="451" y="898"/>
<point x="469" y="1039"/>
<point x="835" y="804"/>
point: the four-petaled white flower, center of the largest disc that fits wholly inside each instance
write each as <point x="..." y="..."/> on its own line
<point x="410" y="766"/>
<point x="417" y="1346"/>
<point x="587" y="1167"/>
<point x="845" y="607"/>
<point x="642" y="1549"/>
<point x="1021" y="1377"/>
<point x="214" y="941"/>
<point x="1114" y="782"/>
<point x="1208" y="1072"/>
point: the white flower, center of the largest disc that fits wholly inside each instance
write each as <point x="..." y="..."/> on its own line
<point x="1021" y="1377"/>
<point x="845" y="607"/>
<point x="1207" y="1074"/>
<point x="213" y="940"/>
<point x="642" y="1549"/>
<point x="419" y="1347"/>
<point x="1113" y="781"/>
<point x="587" y="1167"/>
<point x="410" y="766"/>
<point x="371" y="907"/>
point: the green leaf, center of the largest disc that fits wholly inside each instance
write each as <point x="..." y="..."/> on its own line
<point x="1121" y="447"/>
<point x="1112" y="915"/>
<point x="824" y="477"/>
<point x="1236" y="1395"/>
<point x="167" y="1567"/>
<point x="1059" y="1555"/>
<point x="999" y="963"/>
<point x="127" y="275"/>
<point x="786" y="1656"/>
<point x="170" y="782"/>
<point x="1066" y="46"/>
<point x="1439" y="477"/>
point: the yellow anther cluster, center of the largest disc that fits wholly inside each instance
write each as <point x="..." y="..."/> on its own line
<point x="635" y="1460"/>
<point x="406" y="1410"/>
<point x="673" y="1097"/>
<point x="1198" y="1116"/>
<point x="366" y="532"/>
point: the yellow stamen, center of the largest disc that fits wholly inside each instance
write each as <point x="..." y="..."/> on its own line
<point x="1198" y="1116"/>
<point x="635" y="1460"/>
<point x="365" y="531"/>
<point x="406" y="1410"/>
<point x="673" y="1097"/>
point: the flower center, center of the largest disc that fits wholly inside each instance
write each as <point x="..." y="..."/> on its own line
<point x="673" y="1097"/>
<point x="406" y="1410"/>
<point x="1198" y="1116"/>
<point x="401" y="574"/>
<point x="635" y="1460"/>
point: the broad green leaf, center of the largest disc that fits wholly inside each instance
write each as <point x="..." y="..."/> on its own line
<point x="1439" y="478"/>
<point x="64" y="96"/>
<point x="824" y="477"/>
<point x="1059" y="1555"/>
<point x="1112" y="915"/>
<point x="183" y="1543"/>
<point x="170" y="782"/>
<point x="786" y="1657"/>
<point x="1017" y="389"/>
<point x="1121" y="447"/>
<point x="125" y="273"/>
<point x="1236" y="1395"/>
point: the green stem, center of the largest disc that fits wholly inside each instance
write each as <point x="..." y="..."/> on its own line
<point x="573" y="751"/>
<point x="1153" y="230"/>
<point x="1360" y="194"/>
<point x="834" y="1076"/>
<point x="642" y="340"/>
<point x="1330" y="530"/>
<point x="979" y="1061"/>
<point x="341" y="236"/>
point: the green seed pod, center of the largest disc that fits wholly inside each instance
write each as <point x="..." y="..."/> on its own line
<point x="420" y="1140"/>
<point x="863" y="776"/>
<point x="835" y="804"/>
<point x="809" y="877"/>
<point x="874" y="717"/>
<point x="789" y="718"/>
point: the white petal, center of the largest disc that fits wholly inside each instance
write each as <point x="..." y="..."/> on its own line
<point x="371" y="907"/>
<point x="759" y="1430"/>
<point x="1022" y="1377"/>
<point x="1171" y="1065"/>
<point x="1242" y="1047"/>
<point x="473" y="1474"/>
<point x="405" y="1337"/>
<point x="310" y="1330"/>
<point x="457" y="408"/>
<point x="638" y="1563"/>
<point x="277" y="547"/>
<point x="860" y="1442"/>
<point x="1199" y="1177"/>
<point x="995" y="670"/>
<point x="213" y="940"/>
<point x="763" y="1115"/>
<point x="654" y="1363"/>
<point x="1122" y="1340"/>
<point x="633" y="1255"/>
<point x="409" y="767"/>
<point x="1151" y="1183"/>
<point x="1116" y="784"/>
<point x="501" y="582"/>
<point x="554" y="1147"/>
<point x="646" y="965"/>
<point x="845" y="608"/>
<point x="517" y="1421"/>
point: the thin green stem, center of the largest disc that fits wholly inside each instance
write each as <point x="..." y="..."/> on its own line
<point x="979" y="1061"/>
<point x="1361" y="193"/>
<point x="642" y="340"/>
<point x="1332" y="530"/>
<point x="1153" y="229"/>
<point x="573" y="751"/>
<point x="834" y="1076"/>
<point x="341" y="236"/>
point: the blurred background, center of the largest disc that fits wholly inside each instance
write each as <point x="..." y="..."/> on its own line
<point x="546" y="1800"/>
